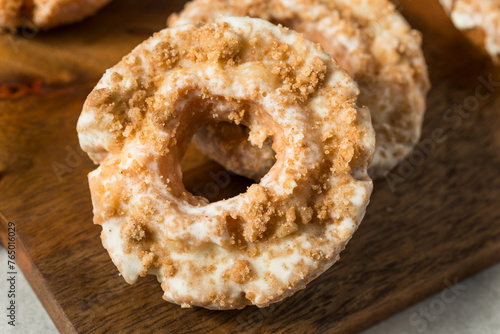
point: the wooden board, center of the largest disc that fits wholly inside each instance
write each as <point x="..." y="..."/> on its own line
<point x="436" y="221"/>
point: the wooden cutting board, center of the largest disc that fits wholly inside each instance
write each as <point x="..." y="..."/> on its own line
<point x="435" y="220"/>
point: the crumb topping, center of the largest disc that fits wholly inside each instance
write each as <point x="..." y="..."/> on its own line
<point x="259" y="246"/>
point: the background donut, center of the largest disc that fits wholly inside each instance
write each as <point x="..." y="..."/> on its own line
<point x="262" y="245"/>
<point x="479" y="20"/>
<point x="369" y="38"/>
<point x="45" y="14"/>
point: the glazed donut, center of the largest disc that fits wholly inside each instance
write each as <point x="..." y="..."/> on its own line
<point x="44" y="14"/>
<point x="257" y="247"/>
<point x="369" y="39"/>
<point x="479" y="20"/>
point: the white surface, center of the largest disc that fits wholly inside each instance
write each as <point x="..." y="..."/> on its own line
<point x="31" y="318"/>
<point x="475" y="309"/>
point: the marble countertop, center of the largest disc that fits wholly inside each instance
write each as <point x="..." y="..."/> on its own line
<point x="472" y="306"/>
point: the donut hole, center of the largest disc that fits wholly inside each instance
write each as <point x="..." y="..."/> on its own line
<point x="229" y="145"/>
<point x="207" y="126"/>
<point x="224" y="141"/>
<point x="212" y="182"/>
<point x="208" y="179"/>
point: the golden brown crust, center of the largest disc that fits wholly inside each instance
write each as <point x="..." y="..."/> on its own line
<point x="44" y="14"/>
<point x="369" y="38"/>
<point x="262" y="245"/>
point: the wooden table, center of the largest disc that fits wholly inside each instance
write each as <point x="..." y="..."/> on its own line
<point x="434" y="221"/>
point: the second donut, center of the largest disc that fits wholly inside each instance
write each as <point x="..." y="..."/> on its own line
<point x="370" y="39"/>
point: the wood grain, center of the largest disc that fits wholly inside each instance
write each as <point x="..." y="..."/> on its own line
<point x="435" y="220"/>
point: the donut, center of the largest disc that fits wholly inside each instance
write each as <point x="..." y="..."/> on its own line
<point x="259" y="246"/>
<point x="479" y="20"/>
<point x="45" y="14"/>
<point x="369" y="39"/>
